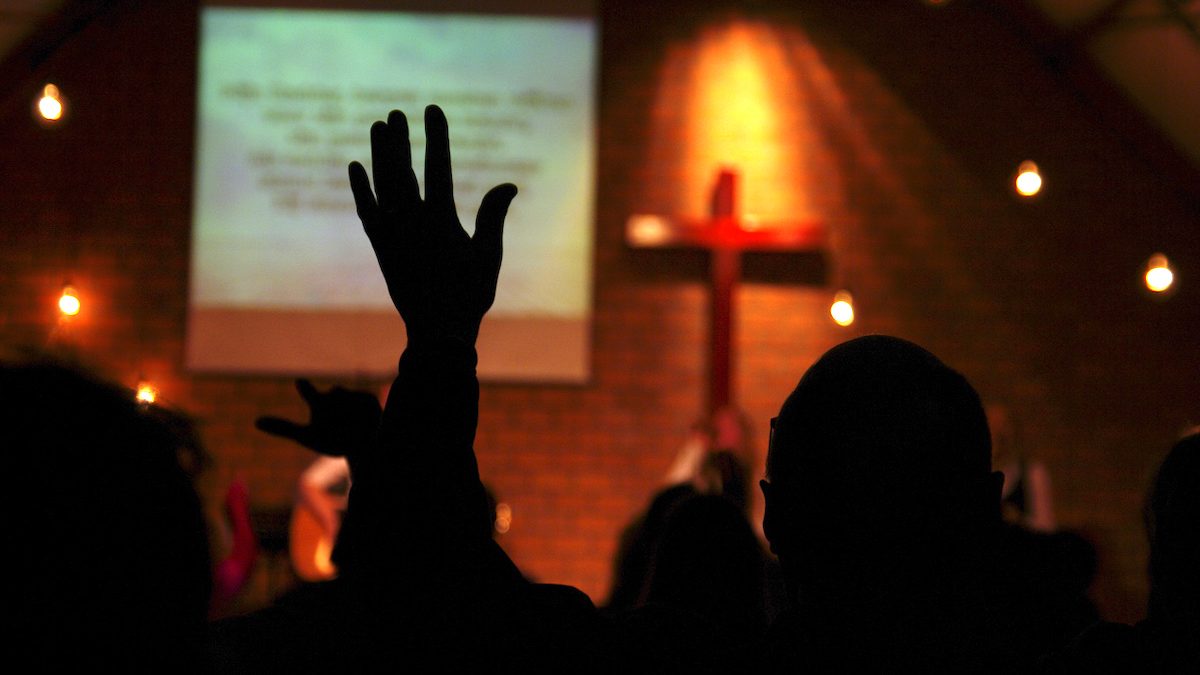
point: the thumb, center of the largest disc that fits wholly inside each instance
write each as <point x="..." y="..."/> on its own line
<point x="277" y="426"/>
<point x="489" y="224"/>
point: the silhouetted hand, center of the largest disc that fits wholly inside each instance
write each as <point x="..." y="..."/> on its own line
<point x="441" y="280"/>
<point x="342" y="422"/>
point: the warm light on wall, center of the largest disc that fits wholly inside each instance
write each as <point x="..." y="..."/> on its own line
<point x="1159" y="276"/>
<point x="50" y="104"/>
<point x="146" y="393"/>
<point x="68" y="302"/>
<point x="1029" y="180"/>
<point x="842" y="309"/>
<point x="729" y="100"/>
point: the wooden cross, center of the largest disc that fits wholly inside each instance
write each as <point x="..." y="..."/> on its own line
<point x="726" y="235"/>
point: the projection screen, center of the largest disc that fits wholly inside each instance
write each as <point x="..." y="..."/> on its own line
<point x="283" y="280"/>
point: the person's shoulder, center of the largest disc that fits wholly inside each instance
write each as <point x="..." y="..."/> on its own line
<point x="558" y="628"/>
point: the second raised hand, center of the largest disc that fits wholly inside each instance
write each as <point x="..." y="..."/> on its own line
<point x="342" y="422"/>
<point x="441" y="280"/>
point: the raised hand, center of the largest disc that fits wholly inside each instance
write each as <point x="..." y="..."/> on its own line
<point x="342" y="422"/>
<point x="441" y="279"/>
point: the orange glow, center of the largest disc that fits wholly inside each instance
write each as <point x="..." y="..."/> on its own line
<point x="1159" y="276"/>
<point x="1029" y="180"/>
<point x="751" y="223"/>
<point x="146" y="393"/>
<point x="842" y="309"/>
<point x="503" y="517"/>
<point x="68" y="302"/>
<point x="50" y="105"/>
<point x="736" y="119"/>
<point x="323" y="557"/>
<point x="729" y="100"/>
<point x="646" y="230"/>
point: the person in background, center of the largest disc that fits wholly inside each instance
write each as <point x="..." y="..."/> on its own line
<point x="342" y="424"/>
<point x="109" y="538"/>
<point x="884" y="511"/>
<point x="232" y="573"/>
<point x="1168" y="641"/>
<point x="1026" y="500"/>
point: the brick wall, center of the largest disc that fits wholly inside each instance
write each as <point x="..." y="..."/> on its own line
<point x="899" y="128"/>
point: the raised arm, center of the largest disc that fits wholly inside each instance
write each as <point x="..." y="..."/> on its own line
<point x="417" y="501"/>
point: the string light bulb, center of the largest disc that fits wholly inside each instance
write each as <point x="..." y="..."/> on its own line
<point x="842" y="309"/>
<point x="50" y="104"/>
<point x="146" y="393"/>
<point x="1159" y="277"/>
<point x="68" y="302"/>
<point x="1029" y="180"/>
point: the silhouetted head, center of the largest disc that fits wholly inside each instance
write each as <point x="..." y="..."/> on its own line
<point x="631" y="569"/>
<point x="879" y="467"/>
<point x="709" y="562"/>
<point x="1173" y="524"/>
<point x="113" y="564"/>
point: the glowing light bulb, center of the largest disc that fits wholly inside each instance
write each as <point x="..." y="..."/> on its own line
<point x="50" y="105"/>
<point x="1029" y="181"/>
<point x="146" y="393"/>
<point x="68" y="302"/>
<point x="842" y="309"/>
<point x="1159" y="276"/>
<point x="648" y="230"/>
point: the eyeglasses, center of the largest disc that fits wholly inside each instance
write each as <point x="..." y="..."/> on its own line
<point x="771" y="435"/>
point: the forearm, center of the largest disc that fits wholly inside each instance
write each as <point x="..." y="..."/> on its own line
<point x="417" y="488"/>
<point x="417" y="498"/>
<point x="428" y="431"/>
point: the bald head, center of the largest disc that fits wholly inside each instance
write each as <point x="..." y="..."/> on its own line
<point x="882" y="450"/>
<point x="879" y="404"/>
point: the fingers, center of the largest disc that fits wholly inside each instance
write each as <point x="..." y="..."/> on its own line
<point x="391" y="163"/>
<point x="439" y="187"/>
<point x="383" y="166"/>
<point x="407" y="190"/>
<point x="489" y="226"/>
<point x="307" y="391"/>
<point x="364" y="199"/>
